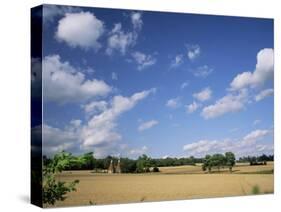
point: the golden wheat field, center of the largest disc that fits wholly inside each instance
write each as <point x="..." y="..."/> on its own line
<point x="172" y="183"/>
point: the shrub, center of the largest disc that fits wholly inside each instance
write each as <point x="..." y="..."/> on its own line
<point x="156" y="169"/>
<point x="256" y="189"/>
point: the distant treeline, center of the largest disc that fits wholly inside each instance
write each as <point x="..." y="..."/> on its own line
<point x="141" y="164"/>
<point x="255" y="159"/>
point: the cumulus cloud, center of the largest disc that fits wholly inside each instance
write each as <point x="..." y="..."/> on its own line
<point x="147" y="125"/>
<point x="63" y="83"/>
<point x="262" y="73"/>
<point x="263" y="94"/>
<point x="250" y="144"/>
<point x="229" y="103"/>
<point x="81" y="29"/>
<point x="101" y="128"/>
<point x="203" y="95"/>
<point x="192" y="107"/>
<point x="99" y="133"/>
<point x="136" y="18"/>
<point x="56" y="140"/>
<point x="202" y="71"/>
<point x="119" y="40"/>
<point x="193" y="51"/>
<point x="50" y="12"/>
<point x="173" y="103"/>
<point x="95" y="107"/>
<point x="143" y="60"/>
<point x="177" y="61"/>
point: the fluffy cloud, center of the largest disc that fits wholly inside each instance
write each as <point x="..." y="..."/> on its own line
<point x="119" y="40"/>
<point x="147" y="125"/>
<point x="173" y="103"/>
<point x="136" y="18"/>
<point x="99" y="133"/>
<point x="192" y="107"/>
<point x="52" y="11"/>
<point x="250" y="144"/>
<point x="229" y="103"/>
<point x="193" y="51"/>
<point x="203" y="95"/>
<point x="202" y="71"/>
<point x="56" y="140"/>
<point x="262" y="73"/>
<point x="95" y="107"/>
<point x="81" y="29"/>
<point x="101" y="128"/>
<point x="178" y="60"/>
<point x="63" y="83"/>
<point x="263" y="94"/>
<point x="143" y="60"/>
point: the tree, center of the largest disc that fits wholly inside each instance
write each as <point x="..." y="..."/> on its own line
<point x="54" y="190"/>
<point x="207" y="163"/>
<point x="230" y="160"/>
<point x="143" y="163"/>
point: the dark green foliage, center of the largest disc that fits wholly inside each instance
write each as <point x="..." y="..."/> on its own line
<point x="155" y="169"/>
<point x="219" y="161"/>
<point x="252" y="159"/>
<point x="143" y="164"/>
<point x="256" y="189"/>
<point x="54" y="190"/>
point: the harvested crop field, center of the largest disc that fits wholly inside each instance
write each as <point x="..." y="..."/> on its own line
<point x="123" y="188"/>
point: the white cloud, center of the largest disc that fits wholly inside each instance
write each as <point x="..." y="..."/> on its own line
<point x="136" y="20"/>
<point x="184" y="85"/>
<point x="228" y="103"/>
<point x="250" y="144"/>
<point x="80" y="30"/>
<point x="263" y="94"/>
<point x="63" y="83"/>
<point x="119" y="40"/>
<point x="173" y="103"/>
<point x="147" y="125"/>
<point x="262" y="73"/>
<point x="192" y="107"/>
<point x="202" y="71"/>
<point x="95" y="107"/>
<point x="178" y="60"/>
<point x="76" y="122"/>
<point x="193" y="51"/>
<point x="101" y="128"/>
<point x="52" y="11"/>
<point x="203" y="95"/>
<point x="114" y="76"/>
<point x="143" y="60"/>
<point x="56" y="140"/>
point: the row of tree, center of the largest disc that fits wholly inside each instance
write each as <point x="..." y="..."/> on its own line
<point x="146" y="164"/>
<point x="219" y="161"/>
<point x="253" y="159"/>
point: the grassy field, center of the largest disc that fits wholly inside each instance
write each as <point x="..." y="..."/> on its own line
<point x="182" y="182"/>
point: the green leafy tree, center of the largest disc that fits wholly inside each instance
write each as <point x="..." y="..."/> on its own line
<point x="143" y="163"/>
<point x="53" y="189"/>
<point x="230" y="160"/>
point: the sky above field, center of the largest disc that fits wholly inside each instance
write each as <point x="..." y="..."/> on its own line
<point x="125" y="83"/>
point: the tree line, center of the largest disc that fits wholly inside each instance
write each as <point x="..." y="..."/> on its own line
<point x="145" y="163"/>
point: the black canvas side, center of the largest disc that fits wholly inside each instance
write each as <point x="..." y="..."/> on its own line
<point x="36" y="105"/>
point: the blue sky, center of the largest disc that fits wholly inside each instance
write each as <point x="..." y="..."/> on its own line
<point x="124" y="83"/>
